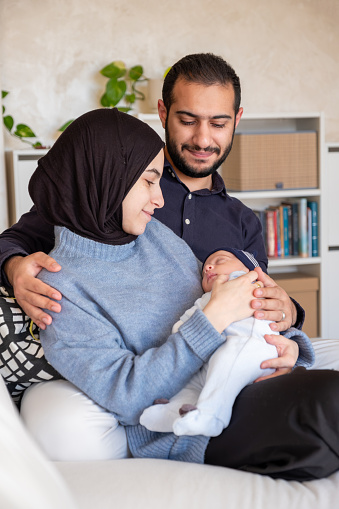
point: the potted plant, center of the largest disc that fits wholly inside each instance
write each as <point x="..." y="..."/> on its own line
<point x="21" y="131"/>
<point x="121" y="85"/>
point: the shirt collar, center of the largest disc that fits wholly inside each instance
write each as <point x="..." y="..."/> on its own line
<point x="217" y="181"/>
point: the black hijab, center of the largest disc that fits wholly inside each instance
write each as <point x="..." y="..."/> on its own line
<point x="81" y="182"/>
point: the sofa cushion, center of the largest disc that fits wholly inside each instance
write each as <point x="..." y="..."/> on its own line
<point x="165" y="484"/>
<point x="22" y="360"/>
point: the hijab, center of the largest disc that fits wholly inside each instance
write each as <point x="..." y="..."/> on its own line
<point x="83" y="179"/>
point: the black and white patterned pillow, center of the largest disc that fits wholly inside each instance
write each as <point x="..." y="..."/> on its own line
<point x="22" y="360"/>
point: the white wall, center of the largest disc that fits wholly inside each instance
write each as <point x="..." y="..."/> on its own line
<point x="3" y="193"/>
<point x="285" y="52"/>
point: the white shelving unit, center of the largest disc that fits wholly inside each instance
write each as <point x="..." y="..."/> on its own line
<point x="330" y="258"/>
<point x="20" y="164"/>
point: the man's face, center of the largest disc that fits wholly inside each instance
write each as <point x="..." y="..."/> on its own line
<point x="200" y="127"/>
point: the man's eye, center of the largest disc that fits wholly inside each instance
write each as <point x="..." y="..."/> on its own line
<point x="149" y="182"/>
<point x="219" y="126"/>
<point x="191" y="122"/>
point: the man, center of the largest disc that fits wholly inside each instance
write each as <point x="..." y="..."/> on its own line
<point x="200" y="111"/>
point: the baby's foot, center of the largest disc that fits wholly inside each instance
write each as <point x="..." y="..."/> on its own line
<point x="196" y="423"/>
<point x="186" y="408"/>
<point x="159" y="417"/>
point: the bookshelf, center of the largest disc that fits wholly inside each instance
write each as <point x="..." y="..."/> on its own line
<point x="311" y="266"/>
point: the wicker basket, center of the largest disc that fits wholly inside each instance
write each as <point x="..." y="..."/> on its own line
<point x="272" y="161"/>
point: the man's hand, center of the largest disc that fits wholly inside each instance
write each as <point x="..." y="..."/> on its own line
<point x="274" y="304"/>
<point x="31" y="293"/>
<point x="288" y="351"/>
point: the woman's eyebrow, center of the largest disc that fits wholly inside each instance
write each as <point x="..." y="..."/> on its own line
<point x="154" y="170"/>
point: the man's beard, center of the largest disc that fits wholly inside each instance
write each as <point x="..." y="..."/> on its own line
<point x="180" y="163"/>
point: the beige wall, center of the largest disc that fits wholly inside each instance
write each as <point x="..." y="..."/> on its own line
<point x="285" y="52"/>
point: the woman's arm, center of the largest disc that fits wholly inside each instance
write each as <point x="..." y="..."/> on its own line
<point x="94" y="353"/>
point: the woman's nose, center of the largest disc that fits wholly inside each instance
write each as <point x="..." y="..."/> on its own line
<point x="158" y="199"/>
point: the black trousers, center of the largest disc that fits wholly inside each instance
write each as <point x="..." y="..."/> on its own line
<point x="286" y="427"/>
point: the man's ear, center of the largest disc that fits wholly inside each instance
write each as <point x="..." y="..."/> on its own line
<point x="162" y="111"/>
<point x="238" y="117"/>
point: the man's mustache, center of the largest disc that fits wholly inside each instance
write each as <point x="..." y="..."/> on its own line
<point x="196" y="148"/>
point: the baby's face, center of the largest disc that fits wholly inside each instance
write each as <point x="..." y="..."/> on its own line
<point x="220" y="262"/>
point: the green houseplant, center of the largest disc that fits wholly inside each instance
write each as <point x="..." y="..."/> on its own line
<point x="21" y="131"/>
<point x="121" y="85"/>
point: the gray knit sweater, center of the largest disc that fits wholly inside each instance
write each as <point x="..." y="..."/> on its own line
<point x="113" y="337"/>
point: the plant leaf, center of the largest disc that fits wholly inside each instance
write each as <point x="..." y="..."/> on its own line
<point x="9" y="122"/>
<point x="136" y="72"/>
<point x="37" y="145"/>
<point x="104" y="101"/>
<point x="130" y="98"/>
<point x="115" y="91"/>
<point x="4" y="93"/>
<point x="23" y="131"/>
<point x="62" y="128"/>
<point x="116" y="70"/>
<point x="124" y="109"/>
<point x="167" y="70"/>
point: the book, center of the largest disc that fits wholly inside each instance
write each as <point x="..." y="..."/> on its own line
<point x="295" y="229"/>
<point x="303" y="239"/>
<point x="270" y="233"/>
<point x="284" y="221"/>
<point x="313" y="205"/>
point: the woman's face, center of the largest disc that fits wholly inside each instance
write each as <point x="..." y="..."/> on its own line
<point x="144" y="197"/>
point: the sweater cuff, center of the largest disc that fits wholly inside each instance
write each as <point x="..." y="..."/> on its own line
<point x="201" y="336"/>
<point x="306" y="351"/>
<point x="300" y="315"/>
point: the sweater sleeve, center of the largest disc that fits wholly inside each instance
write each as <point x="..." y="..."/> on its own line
<point x="29" y="235"/>
<point x="306" y="351"/>
<point x="92" y="354"/>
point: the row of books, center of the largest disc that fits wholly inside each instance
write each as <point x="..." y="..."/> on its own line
<point x="291" y="228"/>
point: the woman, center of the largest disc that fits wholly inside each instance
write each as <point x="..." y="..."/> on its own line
<point x="125" y="280"/>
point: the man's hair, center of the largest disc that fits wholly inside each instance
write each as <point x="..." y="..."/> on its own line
<point x="203" y="68"/>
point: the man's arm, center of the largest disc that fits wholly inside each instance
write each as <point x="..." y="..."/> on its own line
<point x="23" y="249"/>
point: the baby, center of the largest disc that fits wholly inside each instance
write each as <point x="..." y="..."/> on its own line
<point x="204" y="406"/>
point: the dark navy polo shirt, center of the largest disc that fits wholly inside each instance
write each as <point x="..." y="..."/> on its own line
<point x="208" y="220"/>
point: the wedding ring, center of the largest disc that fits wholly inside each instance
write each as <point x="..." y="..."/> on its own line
<point x="283" y="317"/>
<point x="258" y="285"/>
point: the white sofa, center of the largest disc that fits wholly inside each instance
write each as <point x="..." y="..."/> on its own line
<point x="29" y="481"/>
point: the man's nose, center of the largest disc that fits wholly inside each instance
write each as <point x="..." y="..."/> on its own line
<point x="202" y="135"/>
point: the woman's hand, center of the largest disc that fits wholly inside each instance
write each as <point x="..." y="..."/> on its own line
<point x="230" y="300"/>
<point x="288" y="352"/>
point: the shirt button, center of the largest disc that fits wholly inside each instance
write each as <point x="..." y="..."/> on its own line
<point x="187" y="221"/>
<point x="189" y="196"/>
